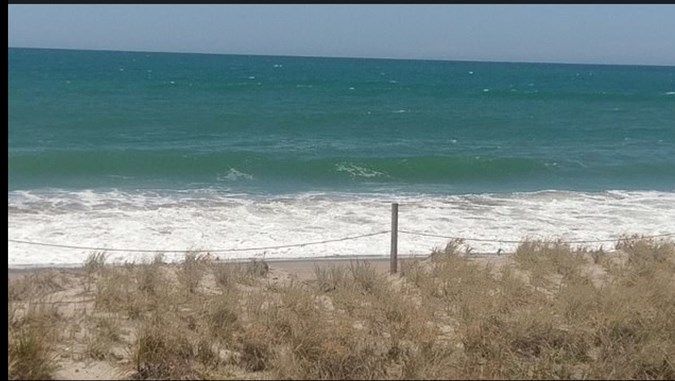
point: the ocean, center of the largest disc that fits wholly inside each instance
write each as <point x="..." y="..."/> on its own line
<point x="238" y="155"/>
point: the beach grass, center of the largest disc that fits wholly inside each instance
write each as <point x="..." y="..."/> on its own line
<point x="31" y="336"/>
<point x="548" y="311"/>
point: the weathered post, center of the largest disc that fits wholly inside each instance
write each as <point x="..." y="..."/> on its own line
<point x="394" y="238"/>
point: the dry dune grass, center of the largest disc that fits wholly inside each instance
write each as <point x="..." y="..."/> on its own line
<point x="31" y="336"/>
<point x="548" y="311"/>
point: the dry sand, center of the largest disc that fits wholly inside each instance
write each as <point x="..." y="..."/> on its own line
<point x="75" y="303"/>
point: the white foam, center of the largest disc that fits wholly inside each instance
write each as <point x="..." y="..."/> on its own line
<point x="670" y="93"/>
<point x="233" y="175"/>
<point x="357" y="171"/>
<point x="207" y="219"/>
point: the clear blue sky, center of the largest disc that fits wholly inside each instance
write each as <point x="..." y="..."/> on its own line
<point x="612" y="34"/>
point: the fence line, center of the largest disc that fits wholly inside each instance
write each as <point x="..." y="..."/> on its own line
<point x="317" y="243"/>
<point x="510" y="241"/>
<point x="204" y="250"/>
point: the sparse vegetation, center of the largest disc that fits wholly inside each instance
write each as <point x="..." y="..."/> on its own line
<point x="94" y="262"/>
<point x="191" y="270"/>
<point x="548" y="311"/>
<point x="37" y="285"/>
<point x="31" y="337"/>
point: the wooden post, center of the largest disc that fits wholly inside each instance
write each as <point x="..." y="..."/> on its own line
<point x="394" y="238"/>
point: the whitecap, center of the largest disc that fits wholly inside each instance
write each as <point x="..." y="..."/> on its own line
<point x="234" y="175"/>
<point x="357" y="171"/>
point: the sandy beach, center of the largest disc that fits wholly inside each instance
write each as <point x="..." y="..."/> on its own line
<point x="300" y="268"/>
<point x="65" y="290"/>
<point x="546" y="310"/>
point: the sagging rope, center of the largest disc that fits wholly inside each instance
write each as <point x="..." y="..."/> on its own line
<point x="104" y="249"/>
<point x="201" y="250"/>
<point x="520" y="241"/>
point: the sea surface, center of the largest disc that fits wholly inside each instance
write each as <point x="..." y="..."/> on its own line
<point x="236" y="154"/>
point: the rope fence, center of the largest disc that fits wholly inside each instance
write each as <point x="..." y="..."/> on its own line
<point x="206" y="250"/>
<point x="348" y="238"/>
<point x="393" y="245"/>
<point x="410" y="255"/>
<point x="519" y="241"/>
<point x="394" y="242"/>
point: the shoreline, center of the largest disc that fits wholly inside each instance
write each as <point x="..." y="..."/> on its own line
<point x="301" y="267"/>
<point x="285" y="264"/>
<point x="384" y="257"/>
<point x="62" y="228"/>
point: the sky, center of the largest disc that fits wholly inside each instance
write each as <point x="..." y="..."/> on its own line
<point x="583" y="33"/>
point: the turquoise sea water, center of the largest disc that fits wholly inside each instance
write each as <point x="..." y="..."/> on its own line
<point x="87" y="126"/>
<point x="89" y="119"/>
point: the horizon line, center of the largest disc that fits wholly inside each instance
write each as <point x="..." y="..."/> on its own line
<point x="342" y="57"/>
